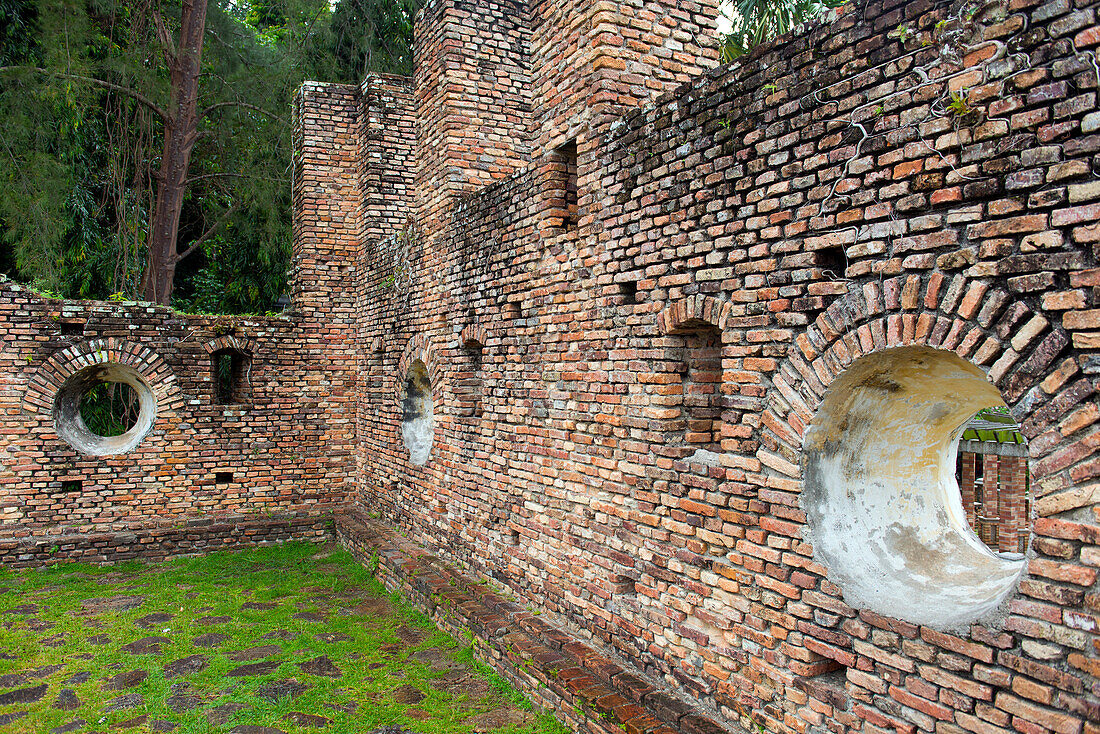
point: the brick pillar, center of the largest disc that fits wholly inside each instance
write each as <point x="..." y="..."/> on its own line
<point x="327" y="201"/>
<point x="473" y="96"/>
<point x="990" y="490"/>
<point x="966" y="487"/>
<point x="1011" y="503"/>
<point x="592" y="62"/>
<point x="386" y="169"/>
<point x="327" y="241"/>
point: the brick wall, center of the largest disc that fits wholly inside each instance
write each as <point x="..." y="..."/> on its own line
<point x="285" y="448"/>
<point x="592" y="61"/>
<point x="905" y="173"/>
<point x="473" y="98"/>
<point x="1000" y="517"/>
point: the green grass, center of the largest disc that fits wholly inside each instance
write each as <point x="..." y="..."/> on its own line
<point x="374" y="662"/>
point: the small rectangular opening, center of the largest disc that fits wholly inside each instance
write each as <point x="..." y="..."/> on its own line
<point x="825" y="680"/>
<point x="472" y="384"/>
<point x="832" y="262"/>
<point x="511" y="537"/>
<point x="565" y="156"/>
<point x="701" y="379"/>
<point x="231" y="370"/>
<point x="72" y="485"/>
<point x="622" y="585"/>
<point x="223" y="477"/>
<point x="629" y="291"/>
<point x="72" y="328"/>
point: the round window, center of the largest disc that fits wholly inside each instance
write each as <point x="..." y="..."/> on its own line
<point x="882" y="495"/>
<point x="105" y="409"/>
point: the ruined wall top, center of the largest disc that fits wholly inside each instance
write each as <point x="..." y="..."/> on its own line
<point x="500" y="84"/>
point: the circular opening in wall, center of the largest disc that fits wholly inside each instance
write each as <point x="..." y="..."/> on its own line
<point x="417" y="425"/>
<point x="105" y="409"/>
<point x="883" y="503"/>
<point x="110" y="409"/>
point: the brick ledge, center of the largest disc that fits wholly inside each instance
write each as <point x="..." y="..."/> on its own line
<point x="161" y="540"/>
<point x="559" y="671"/>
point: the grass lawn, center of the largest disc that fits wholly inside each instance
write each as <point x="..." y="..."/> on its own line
<point x="292" y="638"/>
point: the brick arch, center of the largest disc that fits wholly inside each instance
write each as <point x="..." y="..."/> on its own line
<point x="420" y="347"/>
<point x="1017" y="347"/>
<point x="472" y="335"/>
<point x="469" y="382"/>
<point x="228" y="341"/>
<point x="60" y="366"/>
<point x="688" y="314"/>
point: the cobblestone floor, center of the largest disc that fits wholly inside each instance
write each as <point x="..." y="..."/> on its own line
<point x="283" y="639"/>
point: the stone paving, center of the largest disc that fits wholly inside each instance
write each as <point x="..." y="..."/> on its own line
<point x="282" y="640"/>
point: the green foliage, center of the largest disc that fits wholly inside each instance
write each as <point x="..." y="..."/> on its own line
<point x="994" y="424"/>
<point x="960" y="106"/>
<point x="109" y="408"/>
<point x="903" y="32"/>
<point x="756" y="21"/>
<point x="77" y="186"/>
<point x="373" y="35"/>
<point x="18" y="31"/>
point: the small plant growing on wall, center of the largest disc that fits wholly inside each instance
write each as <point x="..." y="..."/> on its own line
<point x="903" y="33"/>
<point x="960" y="106"/>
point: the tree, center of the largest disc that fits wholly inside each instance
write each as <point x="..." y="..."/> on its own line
<point x="18" y="21"/>
<point x="754" y="21"/>
<point x="141" y="161"/>
<point x="373" y="35"/>
<point x="179" y="120"/>
<point x="181" y="131"/>
<point x="138" y="58"/>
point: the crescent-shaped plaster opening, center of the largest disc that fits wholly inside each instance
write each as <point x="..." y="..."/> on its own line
<point x="417" y="421"/>
<point x="69" y="421"/>
<point x="881" y="495"/>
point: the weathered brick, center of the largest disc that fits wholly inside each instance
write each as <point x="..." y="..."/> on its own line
<point x="1053" y="720"/>
<point x="602" y="257"/>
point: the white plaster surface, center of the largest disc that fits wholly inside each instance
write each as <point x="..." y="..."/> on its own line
<point x="417" y="422"/>
<point x="882" y="502"/>
<point x="70" y="426"/>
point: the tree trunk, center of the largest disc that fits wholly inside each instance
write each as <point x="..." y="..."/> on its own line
<point x="180" y="133"/>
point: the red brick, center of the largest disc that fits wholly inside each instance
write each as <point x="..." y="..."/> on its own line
<point x="1066" y="572"/>
<point x="1053" y="720"/>
<point x="956" y="644"/>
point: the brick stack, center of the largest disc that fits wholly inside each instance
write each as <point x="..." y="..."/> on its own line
<point x="593" y="61"/>
<point x="473" y="95"/>
<point x="967" y="461"/>
<point x="1000" y="518"/>
<point x="1012" y="503"/>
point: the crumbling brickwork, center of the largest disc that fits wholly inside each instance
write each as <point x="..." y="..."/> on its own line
<point x="645" y="316"/>
<point x="901" y="175"/>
